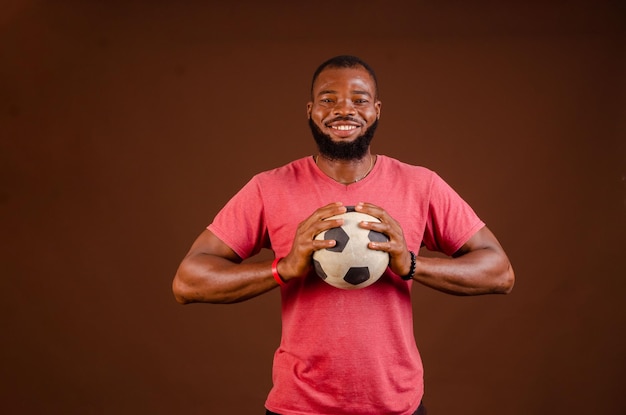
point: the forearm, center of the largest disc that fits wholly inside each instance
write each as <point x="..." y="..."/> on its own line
<point x="483" y="271"/>
<point x="211" y="279"/>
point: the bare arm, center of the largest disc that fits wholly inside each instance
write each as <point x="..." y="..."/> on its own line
<point x="213" y="273"/>
<point x="480" y="266"/>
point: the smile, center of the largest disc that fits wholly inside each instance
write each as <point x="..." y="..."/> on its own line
<point x="344" y="127"/>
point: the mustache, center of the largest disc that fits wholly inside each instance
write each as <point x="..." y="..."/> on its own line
<point x="345" y="118"/>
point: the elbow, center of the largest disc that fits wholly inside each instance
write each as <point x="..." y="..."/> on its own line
<point x="188" y="288"/>
<point x="180" y="291"/>
<point x="507" y="280"/>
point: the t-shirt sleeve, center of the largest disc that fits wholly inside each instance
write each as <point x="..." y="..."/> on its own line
<point x="451" y="221"/>
<point x="240" y="224"/>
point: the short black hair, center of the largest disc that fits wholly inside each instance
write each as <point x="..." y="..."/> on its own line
<point x="345" y="61"/>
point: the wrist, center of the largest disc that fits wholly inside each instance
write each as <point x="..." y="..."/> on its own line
<point x="277" y="277"/>
<point x="409" y="276"/>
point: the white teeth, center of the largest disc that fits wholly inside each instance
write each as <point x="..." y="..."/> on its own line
<point x="344" y="127"/>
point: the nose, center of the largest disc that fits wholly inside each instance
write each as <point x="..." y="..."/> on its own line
<point x="344" y="107"/>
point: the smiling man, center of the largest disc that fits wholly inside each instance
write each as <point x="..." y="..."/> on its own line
<point x="344" y="351"/>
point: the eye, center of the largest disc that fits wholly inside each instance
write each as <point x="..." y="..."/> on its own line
<point x="361" y="101"/>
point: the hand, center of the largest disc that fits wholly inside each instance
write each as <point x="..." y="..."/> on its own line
<point x="298" y="262"/>
<point x="399" y="255"/>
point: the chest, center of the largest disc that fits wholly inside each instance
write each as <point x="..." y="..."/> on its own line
<point x="286" y="209"/>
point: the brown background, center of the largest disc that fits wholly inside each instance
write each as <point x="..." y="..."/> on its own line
<point x="125" y="126"/>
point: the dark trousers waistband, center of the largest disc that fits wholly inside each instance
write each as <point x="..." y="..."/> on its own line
<point x="421" y="410"/>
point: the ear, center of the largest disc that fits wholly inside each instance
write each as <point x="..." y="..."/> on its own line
<point x="309" y="108"/>
<point x="377" y="106"/>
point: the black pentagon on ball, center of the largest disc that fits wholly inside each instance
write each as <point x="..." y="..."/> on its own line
<point x="377" y="237"/>
<point x="339" y="235"/>
<point x="319" y="270"/>
<point x="357" y="275"/>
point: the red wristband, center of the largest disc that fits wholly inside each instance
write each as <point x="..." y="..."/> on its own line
<point x="275" y="273"/>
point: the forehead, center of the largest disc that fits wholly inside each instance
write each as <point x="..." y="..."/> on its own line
<point x="344" y="79"/>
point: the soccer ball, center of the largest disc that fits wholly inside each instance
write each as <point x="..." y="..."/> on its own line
<point x="350" y="264"/>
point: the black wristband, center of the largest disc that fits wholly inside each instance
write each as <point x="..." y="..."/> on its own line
<point x="409" y="276"/>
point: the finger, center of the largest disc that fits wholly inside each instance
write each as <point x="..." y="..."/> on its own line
<point x="332" y="209"/>
<point x="390" y="228"/>
<point x="319" y="221"/>
<point x="374" y="226"/>
<point x="372" y="210"/>
<point x="379" y="246"/>
<point x="325" y="212"/>
<point x="324" y="225"/>
<point x="323" y="244"/>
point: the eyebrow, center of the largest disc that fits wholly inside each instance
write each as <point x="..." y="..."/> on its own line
<point x="355" y="91"/>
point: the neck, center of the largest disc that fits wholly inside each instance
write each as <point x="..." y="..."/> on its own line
<point x="346" y="171"/>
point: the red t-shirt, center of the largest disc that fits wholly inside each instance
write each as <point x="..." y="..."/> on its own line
<point x="345" y="351"/>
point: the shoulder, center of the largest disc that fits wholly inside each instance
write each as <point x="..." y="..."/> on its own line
<point x="392" y="166"/>
<point x="294" y="173"/>
<point x="394" y="163"/>
<point x="298" y="166"/>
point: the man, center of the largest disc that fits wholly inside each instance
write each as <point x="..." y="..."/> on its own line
<point x="344" y="351"/>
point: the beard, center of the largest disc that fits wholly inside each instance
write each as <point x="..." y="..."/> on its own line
<point x="352" y="150"/>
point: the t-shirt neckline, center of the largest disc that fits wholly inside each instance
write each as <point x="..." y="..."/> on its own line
<point x="332" y="181"/>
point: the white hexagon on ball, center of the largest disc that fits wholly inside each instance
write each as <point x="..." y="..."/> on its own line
<point x="350" y="264"/>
